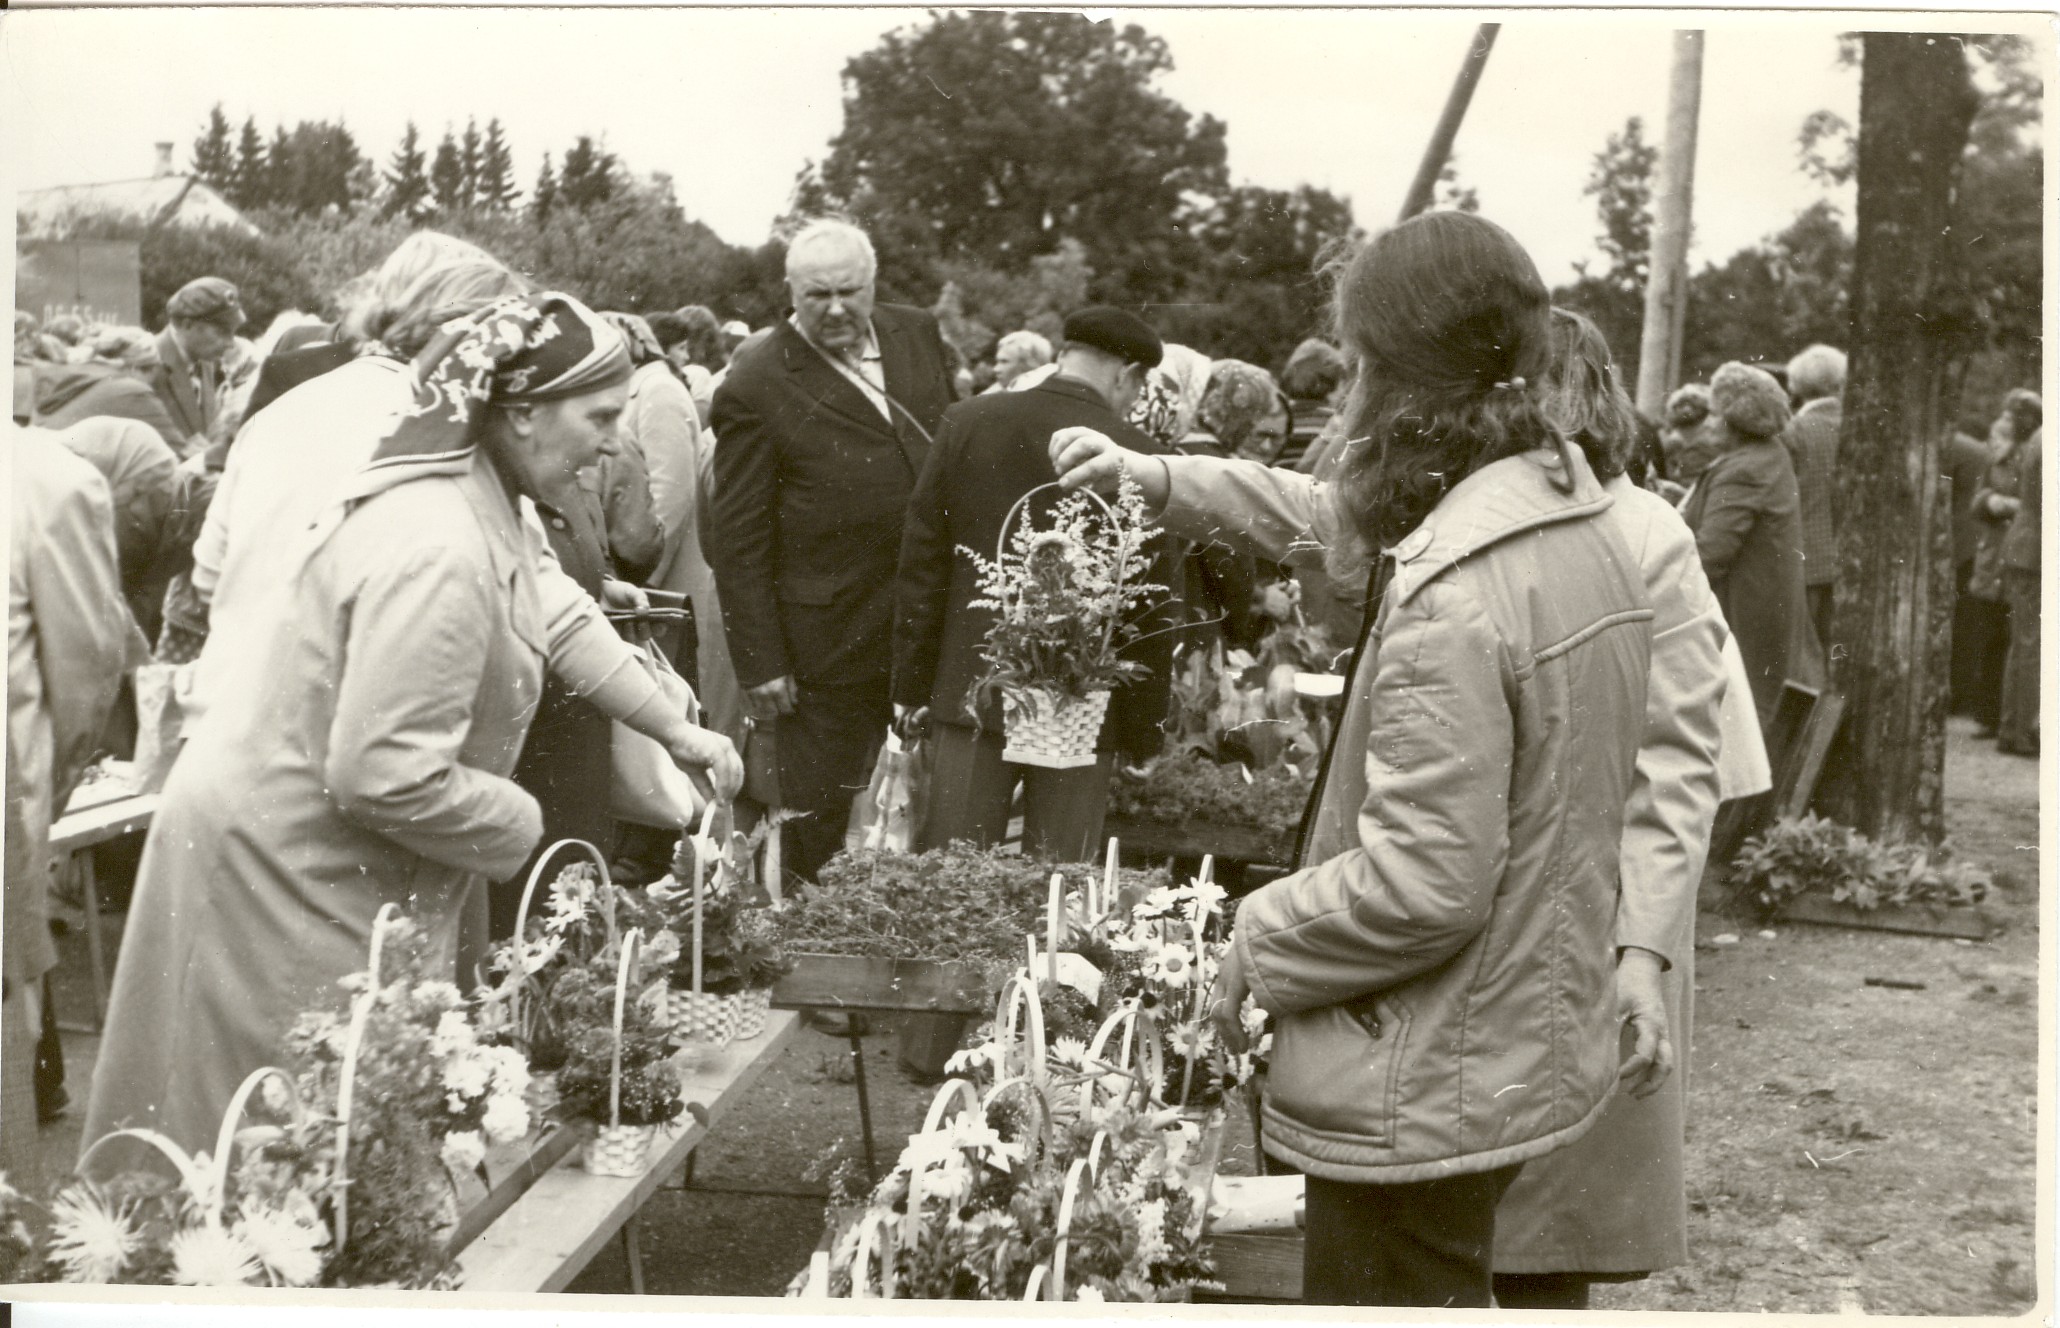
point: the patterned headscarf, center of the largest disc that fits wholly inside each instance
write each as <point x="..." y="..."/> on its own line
<point x="642" y="341"/>
<point x="1157" y="408"/>
<point x="1186" y="371"/>
<point x="526" y="348"/>
<point x="1239" y="396"/>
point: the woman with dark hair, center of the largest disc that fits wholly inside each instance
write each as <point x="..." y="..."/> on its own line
<point x="1440" y="972"/>
<point x="1613" y="1206"/>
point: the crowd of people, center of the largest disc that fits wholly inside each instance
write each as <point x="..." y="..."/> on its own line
<point x="390" y="549"/>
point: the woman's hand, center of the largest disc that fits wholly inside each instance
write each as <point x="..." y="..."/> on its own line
<point x="1642" y="1005"/>
<point x="710" y="760"/>
<point x="622" y="595"/>
<point x="1227" y="1001"/>
<point x="1086" y="458"/>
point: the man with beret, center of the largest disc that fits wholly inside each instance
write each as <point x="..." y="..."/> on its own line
<point x="201" y="321"/>
<point x="991" y="451"/>
<point x="824" y="426"/>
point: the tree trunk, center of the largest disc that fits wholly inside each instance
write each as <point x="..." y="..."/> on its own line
<point x="1893" y="617"/>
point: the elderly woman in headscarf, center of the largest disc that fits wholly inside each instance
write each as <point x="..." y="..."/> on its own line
<point x="113" y="380"/>
<point x="1746" y="513"/>
<point x="1243" y="414"/>
<point x="1689" y="439"/>
<point x="359" y="751"/>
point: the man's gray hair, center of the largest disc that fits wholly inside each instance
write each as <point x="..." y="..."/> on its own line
<point x="1816" y="371"/>
<point x="830" y="230"/>
<point x="1036" y="343"/>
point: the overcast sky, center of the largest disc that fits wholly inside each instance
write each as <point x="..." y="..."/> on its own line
<point x="732" y="103"/>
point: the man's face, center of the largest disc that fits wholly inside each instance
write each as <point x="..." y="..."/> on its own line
<point x="204" y="343"/>
<point x="1268" y="436"/>
<point x="1010" y="363"/>
<point x="833" y="295"/>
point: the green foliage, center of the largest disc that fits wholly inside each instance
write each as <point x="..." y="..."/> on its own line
<point x="1258" y="292"/>
<point x="266" y="270"/>
<point x="1814" y="855"/>
<point x="407" y="179"/>
<point x="650" y="1093"/>
<point x="1177" y="789"/>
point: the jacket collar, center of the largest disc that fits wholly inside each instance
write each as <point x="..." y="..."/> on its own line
<point x="1074" y="388"/>
<point x="1500" y="500"/>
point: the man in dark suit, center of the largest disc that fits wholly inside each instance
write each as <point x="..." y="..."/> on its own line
<point x="991" y="451"/>
<point x="822" y="428"/>
<point x="201" y="322"/>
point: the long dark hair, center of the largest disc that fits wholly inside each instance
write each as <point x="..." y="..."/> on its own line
<point x="1585" y="398"/>
<point x="1449" y="323"/>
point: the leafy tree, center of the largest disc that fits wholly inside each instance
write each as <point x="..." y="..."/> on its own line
<point x="545" y="194"/>
<point x="214" y="155"/>
<point x="991" y="136"/>
<point x="590" y="175"/>
<point x="1772" y="299"/>
<point x="407" y="182"/>
<point x="496" y="189"/>
<point x="1261" y="293"/>
<point x="447" y="176"/>
<point x="247" y="181"/>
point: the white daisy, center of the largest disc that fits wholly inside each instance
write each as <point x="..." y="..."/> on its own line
<point x="463" y="1151"/>
<point x="288" y="1245"/>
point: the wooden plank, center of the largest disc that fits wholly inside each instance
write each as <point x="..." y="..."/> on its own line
<point x="546" y="1237"/>
<point x="865" y="982"/>
<point x="1257" y="1266"/>
<point x="1240" y="1205"/>
<point x="102" y="822"/>
<point x="1192" y="839"/>
<point x="1958" y="923"/>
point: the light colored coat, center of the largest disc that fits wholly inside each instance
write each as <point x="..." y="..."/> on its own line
<point x="1614" y="1201"/>
<point x="364" y="759"/>
<point x="1442" y="981"/>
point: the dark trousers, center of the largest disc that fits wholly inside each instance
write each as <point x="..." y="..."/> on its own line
<point x="1427" y="1242"/>
<point x="1819" y="600"/>
<point x="825" y="750"/>
<point x="971" y="787"/>
<point x="2018" y="723"/>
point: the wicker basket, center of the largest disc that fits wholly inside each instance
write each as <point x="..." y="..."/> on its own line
<point x="618" y="1150"/>
<point x="701" y="1016"/>
<point x="752" y="1005"/>
<point x="1058" y="736"/>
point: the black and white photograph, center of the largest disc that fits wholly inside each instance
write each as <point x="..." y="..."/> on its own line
<point x="1251" y="658"/>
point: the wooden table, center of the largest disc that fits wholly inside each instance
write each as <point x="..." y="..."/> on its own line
<point x="543" y="1239"/>
<point x="1255" y="1237"/>
<point x="98" y="812"/>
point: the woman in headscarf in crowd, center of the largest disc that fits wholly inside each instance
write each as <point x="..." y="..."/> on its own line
<point x="362" y="756"/>
<point x="1746" y="513"/>
<point x="1243" y="414"/>
<point x="1612" y="1207"/>
<point x="1994" y="507"/>
<point x="1453" y="922"/>
<point x="1689" y="439"/>
<point x="1315" y="375"/>
<point x="114" y="379"/>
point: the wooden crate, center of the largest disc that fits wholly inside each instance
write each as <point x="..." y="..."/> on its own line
<point x="1193" y="839"/>
<point x="864" y="982"/>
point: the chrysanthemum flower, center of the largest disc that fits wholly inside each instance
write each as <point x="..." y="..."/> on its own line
<point x="207" y="1255"/>
<point x="289" y="1246"/>
<point x="91" y="1237"/>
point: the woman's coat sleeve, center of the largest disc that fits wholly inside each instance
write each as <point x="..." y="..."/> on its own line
<point x="420" y="629"/>
<point x="1434" y="830"/>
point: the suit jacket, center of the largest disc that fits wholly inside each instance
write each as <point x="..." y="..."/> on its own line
<point x="1812" y="438"/>
<point x="991" y="451"/>
<point x="193" y="411"/>
<point x="1746" y="515"/>
<point x="811" y="484"/>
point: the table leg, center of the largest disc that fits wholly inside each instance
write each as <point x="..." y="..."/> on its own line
<point x="633" y="1251"/>
<point x="90" y="887"/>
<point x="865" y="1107"/>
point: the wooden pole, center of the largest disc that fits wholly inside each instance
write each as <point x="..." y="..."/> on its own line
<point x="1666" y="282"/>
<point x="1421" y="188"/>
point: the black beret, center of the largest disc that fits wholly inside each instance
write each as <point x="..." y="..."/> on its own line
<point x="1117" y="331"/>
<point x="207" y="300"/>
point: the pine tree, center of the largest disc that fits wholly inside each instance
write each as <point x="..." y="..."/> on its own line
<point x="407" y="182"/>
<point x="280" y="176"/>
<point x="214" y="157"/>
<point x="447" y="175"/>
<point x="497" y="191"/>
<point x="469" y="163"/>
<point x="247" y="179"/>
<point x="589" y="176"/>
<point x="545" y="193"/>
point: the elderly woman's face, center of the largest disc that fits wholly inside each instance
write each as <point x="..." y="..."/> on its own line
<point x="1268" y="435"/>
<point x="1690" y="450"/>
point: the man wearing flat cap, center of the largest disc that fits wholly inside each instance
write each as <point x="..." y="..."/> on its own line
<point x="201" y="321"/>
<point x="991" y="451"/>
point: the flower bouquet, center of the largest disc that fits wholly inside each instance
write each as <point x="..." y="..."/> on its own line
<point x="1062" y="600"/>
<point x="723" y="951"/>
<point x="618" y="1071"/>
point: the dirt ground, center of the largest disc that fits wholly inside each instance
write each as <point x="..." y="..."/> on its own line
<point x="1850" y="1147"/>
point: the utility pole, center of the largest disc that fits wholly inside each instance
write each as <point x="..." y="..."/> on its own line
<point x="1666" y="281"/>
<point x="1420" y="189"/>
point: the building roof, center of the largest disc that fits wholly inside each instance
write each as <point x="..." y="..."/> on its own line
<point x="156" y="199"/>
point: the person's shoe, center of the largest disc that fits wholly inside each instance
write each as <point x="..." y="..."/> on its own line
<point x="839" y="1023"/>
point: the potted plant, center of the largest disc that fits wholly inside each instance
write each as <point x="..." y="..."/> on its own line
<point x="1062" y="600"/>
<point x="618" y="1070"/>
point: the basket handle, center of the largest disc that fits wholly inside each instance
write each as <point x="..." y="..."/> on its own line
<point x="1036" y="1095"/>
<point x="873" y="1229"/>
<point x="1034" y="1288"/>
<point x="189" y="1171"/>
<point x="536" y="874"/>
<point x="1129" y="1019"/>
<point x="225" y="1138"/>
<point x="952" y="1092"/>
<point x="632" y="947"/>
<point x="346" y="1086"/>
<point x="1067" y="1198"/>
<point x="1022" y="1010"/>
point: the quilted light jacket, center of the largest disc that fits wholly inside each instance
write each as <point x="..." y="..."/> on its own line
<point x="1443" y="981"/>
